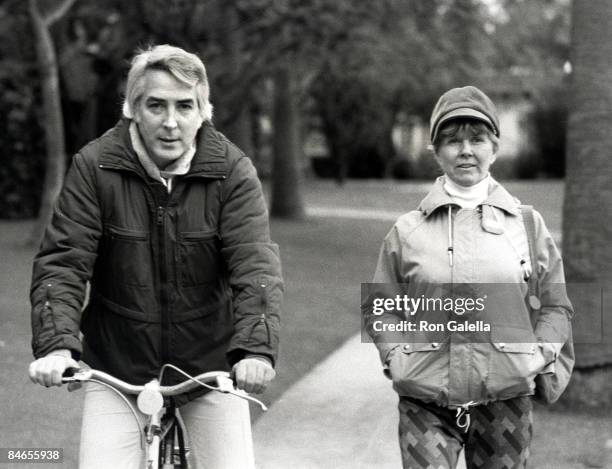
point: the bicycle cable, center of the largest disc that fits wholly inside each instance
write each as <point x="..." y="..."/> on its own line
<point x="212" y="388"/>
<point x="128" y="403"/>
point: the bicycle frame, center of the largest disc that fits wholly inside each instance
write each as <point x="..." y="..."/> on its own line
<point x="171" y="429"/>
<point x="150" y="401"/>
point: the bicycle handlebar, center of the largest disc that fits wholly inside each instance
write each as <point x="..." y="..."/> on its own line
<point x="185" y="386"/>
<point x="189" y="384"/>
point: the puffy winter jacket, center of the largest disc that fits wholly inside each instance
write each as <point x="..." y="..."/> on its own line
<point x="487" y="249"/>
<point x="189" y="278"/>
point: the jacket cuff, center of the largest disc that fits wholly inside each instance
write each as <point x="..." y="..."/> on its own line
<point x="256" y="356"/>
<point x="386" y="351"/>
<point x="387" y="361"/>
<point x="237" y="354"/>
<point x="62" y="342"/>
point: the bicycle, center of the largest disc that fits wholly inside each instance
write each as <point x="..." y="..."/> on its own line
<point x="163" y="435"/>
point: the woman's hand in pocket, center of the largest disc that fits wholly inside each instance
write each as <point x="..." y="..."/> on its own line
<point x="538" y="363"/>
<point x="387" y="366"/>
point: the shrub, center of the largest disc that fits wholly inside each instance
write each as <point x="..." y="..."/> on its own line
<point x="21" y="152"/>
<point x="423" y="167"/>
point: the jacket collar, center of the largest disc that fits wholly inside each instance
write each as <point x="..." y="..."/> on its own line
<point x="498" y="197"/>
<point x="209" y="159"/>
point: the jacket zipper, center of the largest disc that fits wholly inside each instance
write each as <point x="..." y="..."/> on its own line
<point x="162" y="268"/>
<point x="210" y="175"/>
<point x="46" y="308"/>
<point x="264" y="302"/>
<point x="163" y="282"/>
<point x="263" y="320"/>
<point x="451" y="247"/>
<point x="48" y="295"/>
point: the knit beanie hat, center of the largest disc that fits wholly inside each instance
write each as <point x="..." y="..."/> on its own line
<point x="465" y="102"/>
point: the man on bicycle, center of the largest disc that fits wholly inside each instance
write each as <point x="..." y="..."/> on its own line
<point x="166" y="220"/>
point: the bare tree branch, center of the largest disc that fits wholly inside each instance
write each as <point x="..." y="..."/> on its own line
<point x="58" y="12"/>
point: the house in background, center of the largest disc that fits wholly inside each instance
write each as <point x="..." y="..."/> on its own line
<point x="532" y="113"/>
<point x="516" y="105"/>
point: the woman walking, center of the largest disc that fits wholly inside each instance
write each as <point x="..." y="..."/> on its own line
<point x="470" y="230"/>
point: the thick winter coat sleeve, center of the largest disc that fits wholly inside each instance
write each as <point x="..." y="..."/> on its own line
<point x="253" y="263"/>
<point x="64" y="264"/>
<point x="556" y="312"/>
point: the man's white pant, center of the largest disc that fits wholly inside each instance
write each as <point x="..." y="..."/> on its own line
<point x="218" y="427"/>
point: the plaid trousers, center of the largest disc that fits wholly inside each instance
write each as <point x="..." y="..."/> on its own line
<point x="498" y="436"/>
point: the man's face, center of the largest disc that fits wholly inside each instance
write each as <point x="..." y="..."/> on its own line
<point x="167" y="116"/>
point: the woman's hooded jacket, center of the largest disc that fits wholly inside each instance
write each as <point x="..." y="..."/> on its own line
<point x="442" y="250"/>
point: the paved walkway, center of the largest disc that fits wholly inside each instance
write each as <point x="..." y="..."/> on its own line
<point x="374" y="214"/>
<point x="342" y="415"/>
<point x="353" y="213"/>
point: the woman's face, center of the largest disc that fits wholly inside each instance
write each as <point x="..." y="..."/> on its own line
<point x="465" y="153"/>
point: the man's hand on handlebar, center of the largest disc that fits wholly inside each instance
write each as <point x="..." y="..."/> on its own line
<point x="48" y="370"/>
<point x="253" y="374"/>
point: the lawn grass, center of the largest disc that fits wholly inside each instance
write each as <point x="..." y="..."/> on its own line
<point x="571" y="440"/>
<point x="324" y="262"/>
<point x="400" y="196"/>
<point x="31" y="416"/>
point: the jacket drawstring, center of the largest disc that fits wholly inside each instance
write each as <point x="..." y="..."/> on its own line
<point x="463" y="417"/>
<point x="450" y="236"/>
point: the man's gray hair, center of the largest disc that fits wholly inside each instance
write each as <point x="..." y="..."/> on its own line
<point x="187" y="68"/>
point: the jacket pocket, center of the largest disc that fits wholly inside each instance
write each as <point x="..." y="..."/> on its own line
<point x="126" y="256"/>
<point x="420" y="370"/>
<point x="512" y="368"/>
<point x="198" y="257"/>
<point x="126" y="347"/>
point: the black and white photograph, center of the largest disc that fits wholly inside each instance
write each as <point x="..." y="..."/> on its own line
<point x="310" y="234"/>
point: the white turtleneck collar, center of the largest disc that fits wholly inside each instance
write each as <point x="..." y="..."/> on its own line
<point x="468" y="197"/>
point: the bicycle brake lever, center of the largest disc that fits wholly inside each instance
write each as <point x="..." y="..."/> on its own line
<point x="226" y="386"/>
<point x="75" y="377"/>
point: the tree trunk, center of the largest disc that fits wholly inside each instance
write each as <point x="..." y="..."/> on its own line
<point x="239" y="128"/>
<point x="55" y="166"/>
<point x="587" y="212"/>
<point x="286" y="196"/>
